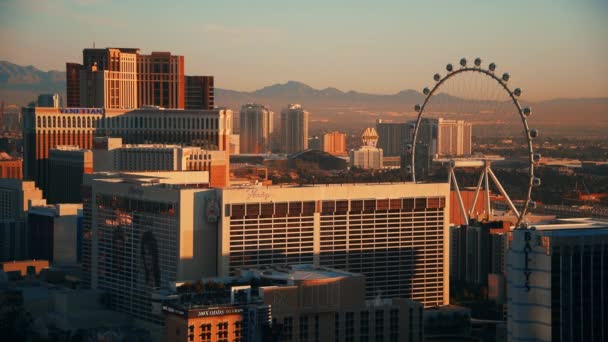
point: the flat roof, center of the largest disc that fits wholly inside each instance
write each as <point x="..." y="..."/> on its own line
<point x="301" y="272"/>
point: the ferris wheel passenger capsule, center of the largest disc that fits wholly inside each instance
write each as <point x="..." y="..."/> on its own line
<point x="477" y="61"/>
<point x="505" y="77"/>
<point x="463" y="62"/>
<point x="536" y="181"/>
<point x="532" y="205"/>
<point x="426" y="91"/>
<point x="409" y="147"/>
<point x="536" y="157"/>
<point x="412" y="125"/>
<point x="527" y="111"/>
<point x="408" y="169"/>
<point x="437" y="77"/>
<point x="417" y="107"/>
<point x="449" y="67"/>
<point x="492" y="67"/>
<point x="533" y="133"/>
<point x="517" y="92"/>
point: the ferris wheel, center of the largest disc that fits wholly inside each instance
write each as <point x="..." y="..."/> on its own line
<point x="502" y="105"/>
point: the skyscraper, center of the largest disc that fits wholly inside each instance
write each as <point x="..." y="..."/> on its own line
<point x="199" y="92"/>
<point x="108" y="78"/>
<point x="335" y="143"/>
<point x="393" y="137"/>
<point x="256" y="125"/>
<point x="122" y="78"/>
<point x="294" y="129"/>
<point x="160" y="80"/>
<point x="558" y="282"/>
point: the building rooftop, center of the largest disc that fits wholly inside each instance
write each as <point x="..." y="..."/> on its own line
<point x="574" y="227"/>
<point x="299" y="272"/>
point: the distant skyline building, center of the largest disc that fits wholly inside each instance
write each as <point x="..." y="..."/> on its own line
<point x="393" y="137"/>
<point x="45" y="128"/>
<point x="315" y="143"/>
<point x="453" y="137"/>
<point x="256" y="126"/>
<point x="294" y="129"/>
<point x="368" y="156"/>
<point x="49" y="100"/>
<point x="335" y="143"/>
<point x="200" y="92"/>
<point x="557" y="284"/>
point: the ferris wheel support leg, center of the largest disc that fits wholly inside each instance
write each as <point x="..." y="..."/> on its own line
<point x="481" y="176"/>
<point x="503" y="192"/>
<point x="487" y="181"/>
<point x="460" y="202"/>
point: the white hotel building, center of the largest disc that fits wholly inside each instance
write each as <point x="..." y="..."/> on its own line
<point x="144" y="231"/>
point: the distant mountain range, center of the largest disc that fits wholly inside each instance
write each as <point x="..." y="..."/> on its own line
<point x="330" y="108"/>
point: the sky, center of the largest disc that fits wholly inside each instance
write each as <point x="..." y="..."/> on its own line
<point x="551" y="48"/>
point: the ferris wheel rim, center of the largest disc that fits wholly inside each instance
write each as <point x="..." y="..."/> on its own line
<point x="513" y="96"/>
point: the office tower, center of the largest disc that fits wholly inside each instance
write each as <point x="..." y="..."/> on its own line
<point x="160" y="80"/>
<point x="368" y="156"/>
<point x="199" y="92"/>
<point x="53" y="233"/>
<point x="396" y="235"/>
<point x="108" y="78"/>
<point x="335" y="143"/>
<point x="72" y="75"/>
<point x="294" y="129"/>
<point x="10" y="167"/>
<point x="558" y="282"/>
<point x="111" y="155"/>
<point x="143" y="231"/>
<point x="393" y="137"/>
<point x="255" y="128"/>
<point x="15" y="198"/>
<point x="67" y="164"/>
<point x="49" y="100"/>
<point x="45" y="128"/>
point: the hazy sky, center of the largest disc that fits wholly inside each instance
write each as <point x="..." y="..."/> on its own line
<point x="552" y="48"/>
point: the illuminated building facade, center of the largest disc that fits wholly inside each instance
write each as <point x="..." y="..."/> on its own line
<point x="335" y="143"/>
<point x="45" y="128"/>
<point x="10" y="167"/>
<point x="160" y="80"/>
<point x="143" y="231"/>
<point x="294" y="129"/>
<point x="200" y="92"/>
<point x="256" y="126"/>
<point x="396" y="235"/>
